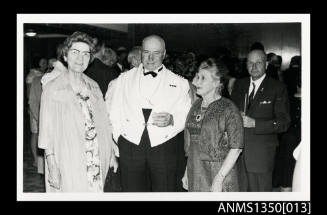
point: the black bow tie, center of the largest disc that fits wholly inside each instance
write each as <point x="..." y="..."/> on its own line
<point x="150" y="73"/>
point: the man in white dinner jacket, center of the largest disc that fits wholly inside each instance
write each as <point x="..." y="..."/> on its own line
<point x="148" y="109"/>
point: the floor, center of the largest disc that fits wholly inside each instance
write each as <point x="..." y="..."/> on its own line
<point x="32" y="181"/>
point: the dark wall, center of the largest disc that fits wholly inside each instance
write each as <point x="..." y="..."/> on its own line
<point x="39" y="47"/>
<point x="212" y="39"/>
<point x="46" y="46"/>
<point x="282" y="38"/>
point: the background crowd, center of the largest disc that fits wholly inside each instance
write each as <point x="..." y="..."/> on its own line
<point x="108" y="63"/>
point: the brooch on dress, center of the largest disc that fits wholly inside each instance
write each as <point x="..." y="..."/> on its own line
<point x="198" y="117"/>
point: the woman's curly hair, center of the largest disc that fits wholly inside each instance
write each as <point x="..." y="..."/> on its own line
<point x="77" y="36"/>
<point x="218" y="70"/>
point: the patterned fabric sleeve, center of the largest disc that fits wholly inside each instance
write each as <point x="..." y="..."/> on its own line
<point x="186" y="141"/>
<point x="234" y="127"/>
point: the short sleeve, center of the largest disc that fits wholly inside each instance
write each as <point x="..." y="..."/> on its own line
<point x="234" y="127"/>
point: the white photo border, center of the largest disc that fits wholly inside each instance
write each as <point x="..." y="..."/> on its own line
<point x="304" y="19"/>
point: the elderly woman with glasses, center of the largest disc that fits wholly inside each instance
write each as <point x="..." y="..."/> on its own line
<point x="73" y="127"/>
<point x="213" y="134"/>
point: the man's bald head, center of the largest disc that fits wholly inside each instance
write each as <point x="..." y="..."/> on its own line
<point x="153" y="52"/>
<point x="258" y="54"/>
<point x="155" y="38"/>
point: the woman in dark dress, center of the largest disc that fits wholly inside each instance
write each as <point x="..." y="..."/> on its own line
<point x="213" y="134"/>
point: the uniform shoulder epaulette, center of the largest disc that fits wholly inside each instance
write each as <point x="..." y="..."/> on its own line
<point x="178" y="75"/>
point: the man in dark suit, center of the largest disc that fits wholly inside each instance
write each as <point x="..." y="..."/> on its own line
<point x="265" y="109"/>
<point x="100" y="72"/>
<point x="121" y="65"/>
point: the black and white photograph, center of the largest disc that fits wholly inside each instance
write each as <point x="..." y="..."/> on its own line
<point x="163" y="107"/>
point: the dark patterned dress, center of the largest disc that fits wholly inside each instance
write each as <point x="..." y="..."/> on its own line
<point x="213" y="132"/>
<point x="93" y="168"/>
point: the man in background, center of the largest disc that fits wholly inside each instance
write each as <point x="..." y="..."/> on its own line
<point x="99" y="71"/>
<point x="265" y="109"/>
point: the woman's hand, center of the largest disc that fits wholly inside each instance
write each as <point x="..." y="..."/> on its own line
<point x="217" y="184"/>
<point x="54" y="178"/>
<point x="113" y="163"/>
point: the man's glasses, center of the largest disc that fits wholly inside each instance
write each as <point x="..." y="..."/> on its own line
<point x="155" y="53"/>
<point x="257" y="64"/>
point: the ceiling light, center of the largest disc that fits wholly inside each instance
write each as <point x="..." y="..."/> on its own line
<point x="30" y="33"/>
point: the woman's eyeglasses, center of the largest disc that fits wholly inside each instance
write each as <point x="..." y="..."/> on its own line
<point x="76" y="53"/>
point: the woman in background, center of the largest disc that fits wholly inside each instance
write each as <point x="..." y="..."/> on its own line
<point x="36" y="72"/>
<point x="134" y="57"/>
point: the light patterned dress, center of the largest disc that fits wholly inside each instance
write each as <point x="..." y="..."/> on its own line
<point x="93" y="168"/>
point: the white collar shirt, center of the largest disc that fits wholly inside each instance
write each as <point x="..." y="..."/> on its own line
<point x="149" y="86"/>
<point x="257" y="84"/>
<point x="120" y="66"/>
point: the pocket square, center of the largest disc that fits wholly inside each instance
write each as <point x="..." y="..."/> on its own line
<point x="265" y="102"/>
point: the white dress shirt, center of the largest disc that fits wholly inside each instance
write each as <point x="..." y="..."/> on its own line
<point x="167" y="92"/>
<point x="149" y="86"/>
<point x="257" y="84"/>
<point x="120" y="66"/>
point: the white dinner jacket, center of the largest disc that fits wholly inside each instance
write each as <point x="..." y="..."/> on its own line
<point x="126" y="116"/>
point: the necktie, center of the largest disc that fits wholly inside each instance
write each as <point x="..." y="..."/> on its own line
<point x="150" y="73"/>
<point x="251" y="95"/>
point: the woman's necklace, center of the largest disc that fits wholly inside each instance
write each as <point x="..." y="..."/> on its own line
<point x="204" y="106"/>
<point x="201" y="114"/>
